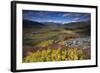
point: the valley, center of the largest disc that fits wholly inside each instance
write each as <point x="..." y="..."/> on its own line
<point x="43" y="42"/>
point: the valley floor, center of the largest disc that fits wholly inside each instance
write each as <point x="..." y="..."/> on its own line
<point x="64" y="45"/>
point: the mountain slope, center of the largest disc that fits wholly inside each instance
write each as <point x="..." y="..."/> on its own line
<point x="31" y="24"/>
<point x="78" y="25"/>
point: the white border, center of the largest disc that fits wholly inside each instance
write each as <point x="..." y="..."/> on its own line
<point x="38" y="65"/>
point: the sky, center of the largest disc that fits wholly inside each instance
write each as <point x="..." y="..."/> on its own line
<point x="56" y="17"/>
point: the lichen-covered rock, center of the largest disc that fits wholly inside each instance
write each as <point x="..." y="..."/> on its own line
<point x="78" y="42"/>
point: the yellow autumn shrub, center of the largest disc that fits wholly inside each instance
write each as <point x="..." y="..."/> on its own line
<point x="55" y="55"/>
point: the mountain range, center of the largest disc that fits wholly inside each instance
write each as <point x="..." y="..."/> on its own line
<point x="73" y="25"/>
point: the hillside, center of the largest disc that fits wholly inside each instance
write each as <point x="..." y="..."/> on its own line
<point x="78" y="25"/>
<point x="30" y="24"/>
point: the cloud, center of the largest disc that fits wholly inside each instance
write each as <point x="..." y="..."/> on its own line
<point x="50" y="20"/>
<point x="67" y="14"/>
<point x="74" y="21"/>
<point x="77" y="18"/>
<point x="77" y="15"/>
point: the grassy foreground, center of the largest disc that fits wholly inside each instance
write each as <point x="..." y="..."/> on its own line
<point x="55" y="55"/>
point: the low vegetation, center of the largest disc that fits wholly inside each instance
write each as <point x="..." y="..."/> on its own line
<point x="55" y="55"/>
